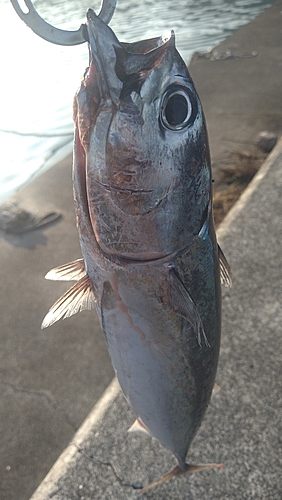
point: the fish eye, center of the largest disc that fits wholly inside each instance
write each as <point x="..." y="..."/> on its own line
<point x="178" y="109"/>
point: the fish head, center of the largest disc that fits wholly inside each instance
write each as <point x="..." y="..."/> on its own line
<point x="142" y="136"/>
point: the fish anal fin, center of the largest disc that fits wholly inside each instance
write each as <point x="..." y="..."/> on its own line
<point x="177" y="471"/>
<point x="224" y="269"/>
<point x="73" y="271"/>
<point x="78" y="298"/>
<point x="138" y="426"/>
<point x="216" y="389"/>
<point x="182" y="303"/>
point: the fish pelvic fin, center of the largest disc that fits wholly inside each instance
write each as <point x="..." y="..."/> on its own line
<point x="178" y="471"/>
<point x="224" y="269"/>
<point x="182" y="303"/>
<point x="138" y="426"/>
<point x="78" y="298"/>
<point x="73" y="271"/>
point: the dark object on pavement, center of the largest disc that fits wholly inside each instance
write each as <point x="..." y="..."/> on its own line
<point x="14" y="219"/>
<point x="266" y="141"/>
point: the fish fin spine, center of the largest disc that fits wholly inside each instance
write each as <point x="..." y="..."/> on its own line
<point x="224" y="269"/>
<point x="73" y="271"/>
<point x="78" y="298"/>
<point x="182" y="303"/>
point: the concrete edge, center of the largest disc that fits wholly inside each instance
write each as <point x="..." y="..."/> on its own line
<point x="253" y="185"/>
<point x="60" y="467"/>
<point x="68" y="456"/>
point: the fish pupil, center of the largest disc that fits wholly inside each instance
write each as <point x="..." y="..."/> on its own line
<point x="176" y="110"/>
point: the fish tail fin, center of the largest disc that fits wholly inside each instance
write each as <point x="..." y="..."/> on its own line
<point x="178" y="471"/>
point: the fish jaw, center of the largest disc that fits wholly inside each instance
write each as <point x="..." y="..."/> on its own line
<point x="102" y="51"/>
<point x="142" y="204"/>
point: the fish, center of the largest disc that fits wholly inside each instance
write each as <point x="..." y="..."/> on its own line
<point x="151" y="266"/>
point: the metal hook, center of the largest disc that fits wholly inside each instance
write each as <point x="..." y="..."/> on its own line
<point x="56" y="35"/>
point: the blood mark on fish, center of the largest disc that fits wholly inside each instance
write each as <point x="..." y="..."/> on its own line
<point x="123" y="307"/>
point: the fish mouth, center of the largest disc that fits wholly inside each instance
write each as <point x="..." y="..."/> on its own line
<point x="119" y="64"/>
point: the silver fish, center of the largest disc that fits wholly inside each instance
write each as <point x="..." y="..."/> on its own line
<point x="151" y="263"/>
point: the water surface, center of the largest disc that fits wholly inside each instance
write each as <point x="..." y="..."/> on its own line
<point x="39" y="79"/>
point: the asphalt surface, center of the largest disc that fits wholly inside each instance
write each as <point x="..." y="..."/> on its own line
<point x="51" y="379"/>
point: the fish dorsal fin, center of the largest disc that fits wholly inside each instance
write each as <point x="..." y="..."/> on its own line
<point x="78" y="298"/>
<point x="73" y="271"/>
<point x="224" y="269"/>
<point x="182" y="303"/>
<point x="138" y="426"/>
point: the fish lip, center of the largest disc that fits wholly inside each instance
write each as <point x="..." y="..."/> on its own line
<point x="109" y="187"/>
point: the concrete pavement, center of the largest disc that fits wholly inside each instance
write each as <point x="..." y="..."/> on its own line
<point x="51" y="379"/>
<point x="243" y="425"/>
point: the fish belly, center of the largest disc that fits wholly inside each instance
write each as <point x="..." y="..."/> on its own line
<point x="164" y="372"/>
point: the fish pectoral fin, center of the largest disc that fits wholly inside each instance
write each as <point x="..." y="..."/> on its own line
<point x="182" y="303"/>
<point x="224" y="269"/>
<point x="78" y="298"/>
<point x="177" y="471"/>
<point x="138" y="426"/>
<point x="73" y="271"/>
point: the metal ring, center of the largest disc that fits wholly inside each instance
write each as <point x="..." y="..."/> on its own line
<point x="56" y="35"/>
